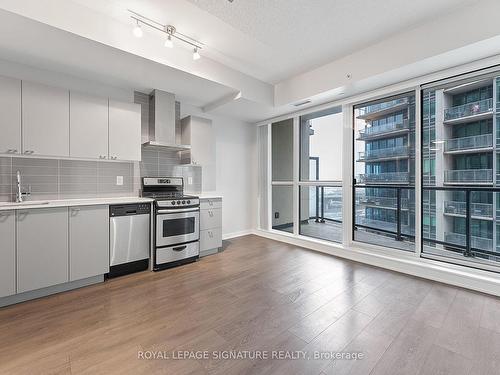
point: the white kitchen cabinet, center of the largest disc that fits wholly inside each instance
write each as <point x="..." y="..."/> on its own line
<point x="7" y="253"/>
<point x="42" y="248"/>
<point x="199" y="133"/>
<point x="45" y="120"/>
<point x="88" y="123"/>
<point x="124" y="130"/>
<point x="10" y="120"/>
<point x="88" y="241"/>
<point x="210" y="225"/>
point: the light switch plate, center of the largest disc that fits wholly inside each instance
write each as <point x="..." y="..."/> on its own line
<point x="190" y="180"/>
<point x="119" y="180"/>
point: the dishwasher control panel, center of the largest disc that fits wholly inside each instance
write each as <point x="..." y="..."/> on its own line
<point x="130" y="209"/>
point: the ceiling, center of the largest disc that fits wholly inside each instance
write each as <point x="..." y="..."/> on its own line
<point x="272" y="40"/>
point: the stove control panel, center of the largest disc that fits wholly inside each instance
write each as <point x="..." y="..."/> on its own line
<point x="178" y="203"/>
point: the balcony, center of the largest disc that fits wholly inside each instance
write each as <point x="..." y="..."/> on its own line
<point x="384" y="154"/>
<point x="388" y="178"/>
<point x="477" y="210"/>
<point x="382" y="109"/>
<point x="388" y="226"/>
<point x="483" y="142"/>
<point x="481" y="243"/>
<point x="469" y="176"/>
<point x="385" y="130"/>
<point x="383" y="202"/>
<point x="470" y="111"/>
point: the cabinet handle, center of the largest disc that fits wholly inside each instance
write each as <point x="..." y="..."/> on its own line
<point x="211" y="213"/>
<point x="180" y="248"/>
<point x="14" y="151"/>
<point x="74" y="211"/>
<point x="29" y="152"/>
<point x="210" y="234"/>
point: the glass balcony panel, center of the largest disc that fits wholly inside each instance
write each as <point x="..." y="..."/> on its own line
<point x="469" y="143"/>
<point x="389" y="177"/>
<point x="476" y="209"/>
<point x="468" y="176"/>
<point x="469" y="109"/>
<point x="384" y="153"/>
<point x="390" y="127"/>
<point x="381" y="106"/>
<point x="480" y="243"/>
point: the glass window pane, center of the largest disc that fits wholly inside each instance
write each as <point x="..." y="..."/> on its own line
<point x="321" y="212"/>
<point x="282" y="214"/>
<point x="460" y="223"/>
<point x="321" y="145"/>
<point x="282" y="150"/>
<point x="384" y="171"/>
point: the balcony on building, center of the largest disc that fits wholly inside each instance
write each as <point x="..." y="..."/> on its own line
<point x="474" y="111"/>
<point x="482" y="211"/>
<point x="476" y="143"/>
<point x="384" y="202"/>
<point x="389" y="226"/>
<point x="468" y="177"/>
<point x="481" y="243"/>
<point x="389" y="153"/>
<point x="385" y="178"/>
<point x="383" y="131"/>
<point x="374" y="111"/>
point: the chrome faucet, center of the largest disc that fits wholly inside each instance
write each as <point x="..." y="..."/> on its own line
<point x="20" y="194"/>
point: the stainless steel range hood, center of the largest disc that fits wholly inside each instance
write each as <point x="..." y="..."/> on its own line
<point x="163" y="127"/>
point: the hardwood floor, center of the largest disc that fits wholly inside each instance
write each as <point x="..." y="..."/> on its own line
<point x="257" y="295"/>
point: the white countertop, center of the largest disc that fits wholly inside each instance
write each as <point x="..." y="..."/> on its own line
<point x="7" y="206"/>
<point x="206" y="195"/>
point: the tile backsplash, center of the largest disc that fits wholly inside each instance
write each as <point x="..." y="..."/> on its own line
<point x="61" y="179"/>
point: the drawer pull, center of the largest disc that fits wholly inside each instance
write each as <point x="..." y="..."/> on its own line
<point x="210" y="234"/>
<point x="211" y="213"/>
<point x="180" y="248"/>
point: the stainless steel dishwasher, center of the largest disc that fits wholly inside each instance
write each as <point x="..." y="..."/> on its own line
<point x="129" y="238"/>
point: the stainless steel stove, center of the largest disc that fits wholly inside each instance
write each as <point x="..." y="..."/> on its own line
<point x="177" y="222"/>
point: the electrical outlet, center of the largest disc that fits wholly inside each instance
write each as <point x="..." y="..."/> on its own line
<point x="119" y="180"/>
<point x="276" y="215"/>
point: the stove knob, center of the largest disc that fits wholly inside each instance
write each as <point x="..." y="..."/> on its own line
<point x="178" y="202"/>
<point x="188" y="201"/>
<point x="173" y="202"/>
<point x="183" y="202"/>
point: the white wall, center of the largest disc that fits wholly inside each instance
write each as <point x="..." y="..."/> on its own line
<point x="236" y="170"/>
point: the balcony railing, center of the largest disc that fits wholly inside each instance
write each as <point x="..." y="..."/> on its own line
<point x="381" y="106"/>
<point x="469" y="176"/>
<point x="389" y="177"/>
<point x="384" y="153"/>
<point x="382" y="129"/>
<point x="480" y="243"/>
<point x="469" y="143"/>
<point x="383" y="202"/>
<point x="476" y="209"/>
<point x="469" y="109"/>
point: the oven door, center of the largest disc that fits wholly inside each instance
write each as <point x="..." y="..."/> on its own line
<point x="177" y="226"/>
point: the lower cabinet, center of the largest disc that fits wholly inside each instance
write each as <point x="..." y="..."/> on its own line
<point x="42" y="248"/>
<point x="210" y="226"/>
<point x="88" y="241"/>
<point x="7" y="253"/>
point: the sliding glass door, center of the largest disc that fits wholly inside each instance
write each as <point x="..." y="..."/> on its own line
<point x="384" y="172"/>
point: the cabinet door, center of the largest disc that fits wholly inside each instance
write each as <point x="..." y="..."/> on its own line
<point x="88" y="121"/>
<point x="210" y="239"/>
<point x="211" y="218"/>
<point x="10" y="121"/>
<point x="88" y="241"/>
<point x="124" y="130"/>
<point x="45" y="112"/>
<point x="42" y="248"/>
<point x="7" y="253"/>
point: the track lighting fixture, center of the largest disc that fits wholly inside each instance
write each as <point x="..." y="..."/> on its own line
<point x="170" y="31"/>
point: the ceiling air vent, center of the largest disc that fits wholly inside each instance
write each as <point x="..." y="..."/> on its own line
<point x="299" y="104"/>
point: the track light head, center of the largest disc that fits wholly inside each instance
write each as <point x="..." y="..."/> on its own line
<point x="137" y="30"/>
<point x="168" y="42"/>
<point x="196" y="54"/>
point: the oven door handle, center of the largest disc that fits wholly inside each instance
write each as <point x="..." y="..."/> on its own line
<point x="179" y="210"/>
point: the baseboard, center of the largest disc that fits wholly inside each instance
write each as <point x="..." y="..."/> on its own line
<point x="469" y="278"/>
<point x="246" y="232"/>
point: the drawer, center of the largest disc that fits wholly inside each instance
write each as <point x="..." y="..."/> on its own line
<point x="211" y="218"/>
<point x="173" y="253"/>
<point x="210" y="239"/>
<point x="206" y="204"/>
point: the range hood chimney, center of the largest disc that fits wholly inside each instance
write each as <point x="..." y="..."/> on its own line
<point x="164" y="127"/>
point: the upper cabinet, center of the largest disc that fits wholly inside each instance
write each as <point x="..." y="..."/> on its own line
<point x="199" y="133"/>
<point x="10" y="119"/>
<point x="45" y="120"/>
<point x="88" y="122"/>
<point x="124" y="130"/>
